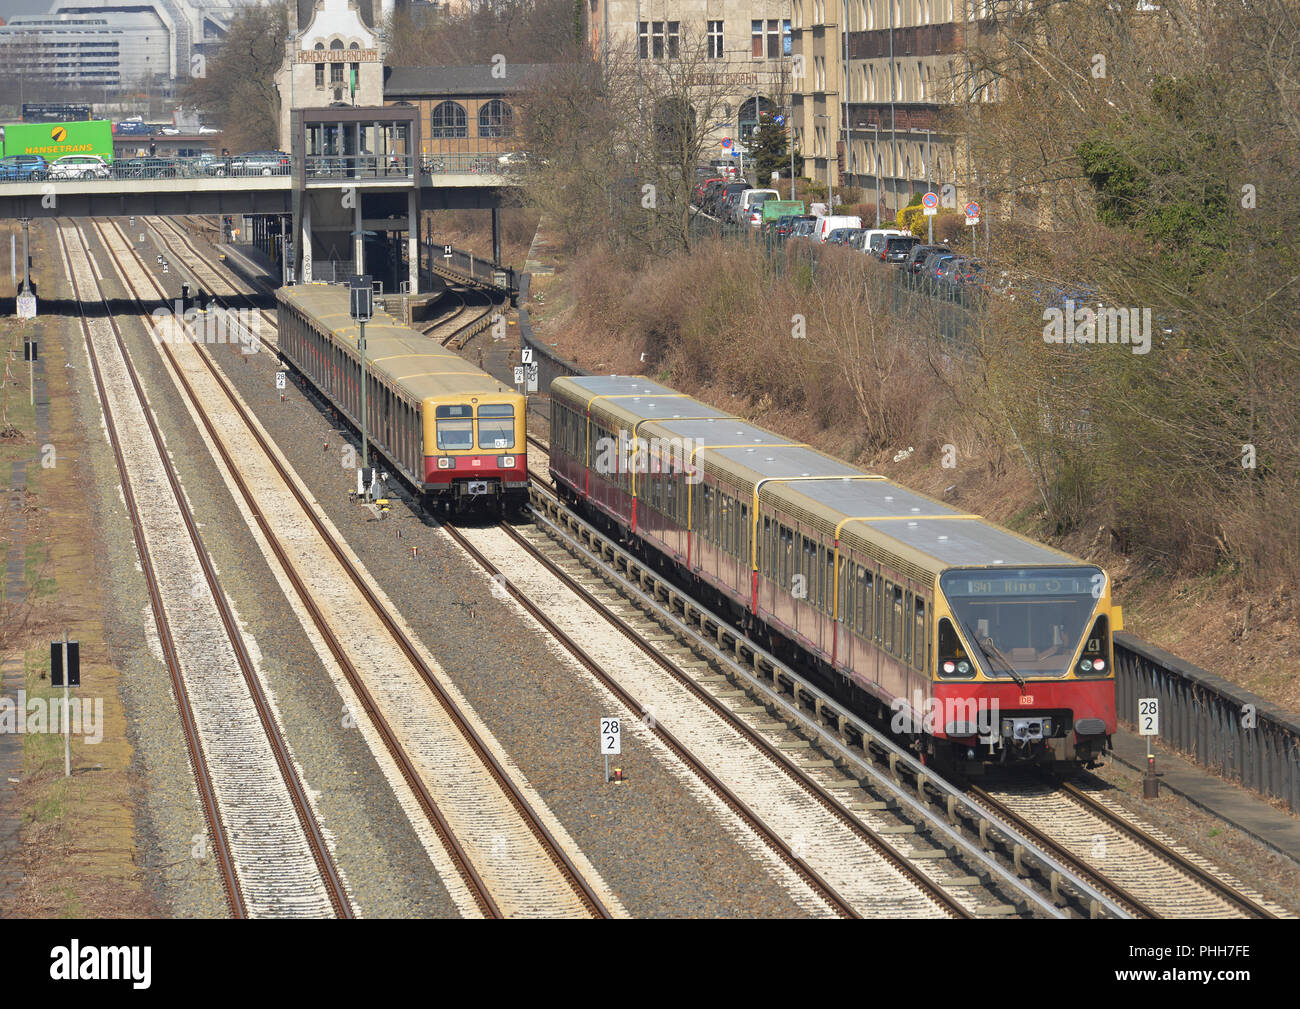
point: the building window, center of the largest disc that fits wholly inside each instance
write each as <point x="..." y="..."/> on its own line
<point x="496" y="119"/>
<point x="787" y="39"/>
<point x="448" y="121"/>
<point x="336" y="73"/>
<point x="320" y="75"/>
<point x="715" y="40"/>
<point x="657" y="39"/>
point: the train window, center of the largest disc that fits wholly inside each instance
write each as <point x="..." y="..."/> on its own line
<point x="496" y="426"/>
<point x="919" y="636"/>
<point x="904" y="618"/>
<point x="887" y="625"/>
<point x="744" y="531"/>
<point x="455" y="426"/>
<point x="897" y="611"/>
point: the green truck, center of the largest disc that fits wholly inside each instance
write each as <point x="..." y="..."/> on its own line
<point x="772" y="209"/>
<point x="53" y="140"/>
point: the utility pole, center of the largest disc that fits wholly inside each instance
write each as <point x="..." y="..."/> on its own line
<point x="929" y="217"/>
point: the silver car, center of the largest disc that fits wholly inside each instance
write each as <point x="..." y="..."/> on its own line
<point x="80" y="166"/>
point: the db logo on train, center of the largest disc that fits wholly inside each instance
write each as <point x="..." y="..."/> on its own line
<point x="1026" y="698"/>
<point x="58" y="134"/>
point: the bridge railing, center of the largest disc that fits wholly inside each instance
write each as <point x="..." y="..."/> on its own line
<point x="359" y="166"/>
<point x="206" y="167"/>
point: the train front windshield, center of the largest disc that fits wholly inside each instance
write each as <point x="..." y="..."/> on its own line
<point x="1031" y="619"/>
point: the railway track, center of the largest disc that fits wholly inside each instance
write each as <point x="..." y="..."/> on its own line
<point x="509" y="854"/>
<point x="269" y="848"/>
<point x="1145" y="872"/>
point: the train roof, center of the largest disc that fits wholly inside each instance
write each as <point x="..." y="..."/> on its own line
<point x="918" y="534"/>
<point x="417" y="364"/>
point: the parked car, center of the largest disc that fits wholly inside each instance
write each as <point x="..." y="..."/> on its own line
<point x="258" y="163"/>
<point x="148" y="168"/>
<point x="916" y="258"/>
<point x="786" y="225"/>
<point x="805" y="227"/>
<point x="80" y="166"/>
<point x="828" y="224"/>
<point x="873" y="239"/>
<point x="844" y="236"/>
<point x="898" y="249"/>
<point x="932" y="269"/>
<point x="702" y="187"/>
<point x="23" y="167"/>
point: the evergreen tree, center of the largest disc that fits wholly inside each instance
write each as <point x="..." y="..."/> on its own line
<point x="769" y="148"/>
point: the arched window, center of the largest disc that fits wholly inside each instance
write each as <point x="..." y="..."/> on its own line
<point x="448" y="121"/>
<point x="355" y="45"/>
<point x="336" y="44"/>
<point x="320" y="47"/>
<point x="496" y="119"/>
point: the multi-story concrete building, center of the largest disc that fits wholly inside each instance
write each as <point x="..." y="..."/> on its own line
<point x="83" y="50"/>
<point x="879" y="78"/>
<point x="746" y="43"/>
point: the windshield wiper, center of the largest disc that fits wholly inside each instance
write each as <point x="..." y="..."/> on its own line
<point x="989" y="648"/>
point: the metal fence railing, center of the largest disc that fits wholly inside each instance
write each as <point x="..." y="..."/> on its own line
<point x="435" y="254"/>
<point x="1221" y="726"/>
<point x="359" y="166"/>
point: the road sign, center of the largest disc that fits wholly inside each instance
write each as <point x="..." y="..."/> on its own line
<point x="972" y="221"/>
<point x="446" y="252"/>
<point x="726" y="143"/>
<point x="611" y="737"/>
<point x="972" y="210"/>
<point x="363" y="308"/>
<point x="526" y="355"/>
<point x="279" y="380"/>
<point x="930" y="200"/>
<point x="1148" y="716"/>
<point x="778" y="119"/>
<point x="27" y="306"/>
<point x="519" y="376"/>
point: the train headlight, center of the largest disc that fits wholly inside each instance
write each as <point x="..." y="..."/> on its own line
<point x="506" y="461"/>
<point x="950" y="667"/>
<point x="446" y="462"/>
<point x="963" y="667"/>
<point x="1099" y="665"/>
<point x="1085" y="666"/>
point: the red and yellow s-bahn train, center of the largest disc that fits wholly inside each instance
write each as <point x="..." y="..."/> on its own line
<point x="452" y="430"/>
<point x="981" y="645"/>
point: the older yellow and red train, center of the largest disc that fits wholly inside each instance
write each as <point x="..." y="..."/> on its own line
<point x="452" y="430"/>
<point x="982" y="645"/>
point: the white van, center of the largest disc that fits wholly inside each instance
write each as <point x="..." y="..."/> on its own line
<point x="873" y="241"/>
<point x="745" y="205"/>
<point x="828" y="224"/>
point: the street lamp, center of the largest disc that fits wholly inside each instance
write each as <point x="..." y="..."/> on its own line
<point x="830" y="181"/>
